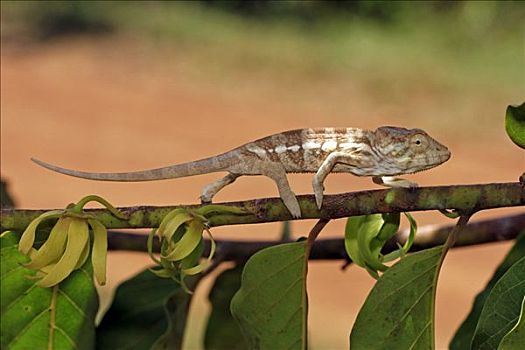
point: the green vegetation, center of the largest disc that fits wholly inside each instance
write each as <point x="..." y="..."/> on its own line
<point x="474" y="42"/>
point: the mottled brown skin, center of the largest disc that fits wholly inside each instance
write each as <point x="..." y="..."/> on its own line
<point x="383" y="153"/>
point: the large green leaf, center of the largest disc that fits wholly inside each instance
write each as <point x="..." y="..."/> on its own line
<point x="271" y="306"/>
<point x="502" y="308"/>
<point x="62" y="317"/>
<point x="399" y="311"/>
<point x="222" y="332"/>
<point x="463" y="337"/>
<point x="515" y="339"/>
<point x="147" y="311"/>
<point x="515" y="124"/>
<point x="177" y="308"/>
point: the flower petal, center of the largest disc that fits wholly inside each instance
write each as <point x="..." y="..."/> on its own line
<point x="187" y="243"/>
<point x="150" y="246"/>
<point x="100" y="250"/>
<point x="163" y="273"/>
<point x="83" y="256"/>
<point x="173" y="225"/>
<point x="28" y="237"/>
<point x="196" y="269"/>
<point x="53" y="248"/>
<point x="166" y="220"/>
<point x="77" y="238"/>
<point x="204" y="265"/>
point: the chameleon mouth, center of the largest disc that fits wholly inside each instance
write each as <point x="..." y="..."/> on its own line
<point x="430" y="162"/>
<point x="439" y="159"/>
<point x="443" y="157"/>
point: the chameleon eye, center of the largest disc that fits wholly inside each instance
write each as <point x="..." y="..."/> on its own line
<point x="419" y="141"/>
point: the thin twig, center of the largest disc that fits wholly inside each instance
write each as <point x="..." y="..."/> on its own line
<point x="453" y="236"/>
<point x="316" y="230"/>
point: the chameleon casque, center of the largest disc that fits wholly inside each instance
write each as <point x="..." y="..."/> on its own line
<point x="383" y="153"/>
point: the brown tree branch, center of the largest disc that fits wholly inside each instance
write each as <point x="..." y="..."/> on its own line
<point x="464" y="198"/>
<point x="480" y="232"/>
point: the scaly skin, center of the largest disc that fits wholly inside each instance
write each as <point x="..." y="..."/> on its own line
<point x="381" y="154"/>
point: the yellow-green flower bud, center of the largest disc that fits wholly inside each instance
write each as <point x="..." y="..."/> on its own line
<point x="68" y="245"/>
<point x="180" y="235"/>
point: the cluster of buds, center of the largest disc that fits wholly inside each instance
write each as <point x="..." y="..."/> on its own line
<point x="181" y="242"/>
<point x="68" y="245"/>
<point x="366" y="235"/>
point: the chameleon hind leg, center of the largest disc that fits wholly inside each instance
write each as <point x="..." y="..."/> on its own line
<point x="278" y="175"/>
<point x="211" y="190"/>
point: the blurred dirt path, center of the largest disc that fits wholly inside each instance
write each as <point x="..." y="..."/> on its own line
<point x="116" y="107"/>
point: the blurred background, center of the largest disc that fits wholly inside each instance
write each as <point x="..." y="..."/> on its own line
<point x="119" y="86"/>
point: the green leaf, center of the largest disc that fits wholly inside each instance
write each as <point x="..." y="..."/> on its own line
<point x="463" y="337"/>
<point x="515" y="339"/>
<point x="222" y="332"/>
<point x="32" y="317"/>
<point x="366" y="235"/>
<point x="137" y="318"/>
<point x="368" y="242"/>
<point x="271" y="306"/>
<point x="353" y="225"/>
<point x="176" y="309"/>
<point x="399" y="311"/>
<point x="515" y="124"/>
<point x="402" y="251"/>
<point x="502" y="308"/>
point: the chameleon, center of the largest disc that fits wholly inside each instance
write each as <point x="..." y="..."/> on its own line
<point x="381" y="154"/>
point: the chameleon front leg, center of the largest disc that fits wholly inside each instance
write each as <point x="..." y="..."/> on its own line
<point x="278" y="175"/>
<point x="390" y="181"/>
<point x="211" y="190"/>
<point x="325" y="169"/>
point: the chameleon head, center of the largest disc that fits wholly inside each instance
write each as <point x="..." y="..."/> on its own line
<point x="406" y="151"/>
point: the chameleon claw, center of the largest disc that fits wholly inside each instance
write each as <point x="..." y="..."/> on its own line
<point x="297" y="215"/>
<point x="318" y="192"/>
<point x="295" y="211"/>
<point x="319" y="200"/>
<point x="293" y="207"/>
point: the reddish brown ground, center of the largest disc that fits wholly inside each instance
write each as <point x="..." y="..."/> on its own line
<point x="97" y="106"/>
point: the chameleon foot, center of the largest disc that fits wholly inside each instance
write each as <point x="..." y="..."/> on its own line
<point x="205" y="200"/>
<point x="390" y="181"/>
<point x="293" y="207"/>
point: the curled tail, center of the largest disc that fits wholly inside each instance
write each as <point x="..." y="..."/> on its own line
<point x="208" y="165"/>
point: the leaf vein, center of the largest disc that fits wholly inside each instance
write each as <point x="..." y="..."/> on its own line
<point x="283" y="294"/>
<point x="26" y="327"/>
<point x="69" y="339"/>
<point x="416" y="302"/>
<point x="420" y="334"/>
<point x="12" y="270"/>
<point x="72" y="302"/>
<point x="270" y="276"/>
<point x="395" y="291"/>
<point x="502" y="329"/>
<point x="22" y="295"/>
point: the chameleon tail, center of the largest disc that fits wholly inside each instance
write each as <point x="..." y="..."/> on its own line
<point x="203" y="166"/>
